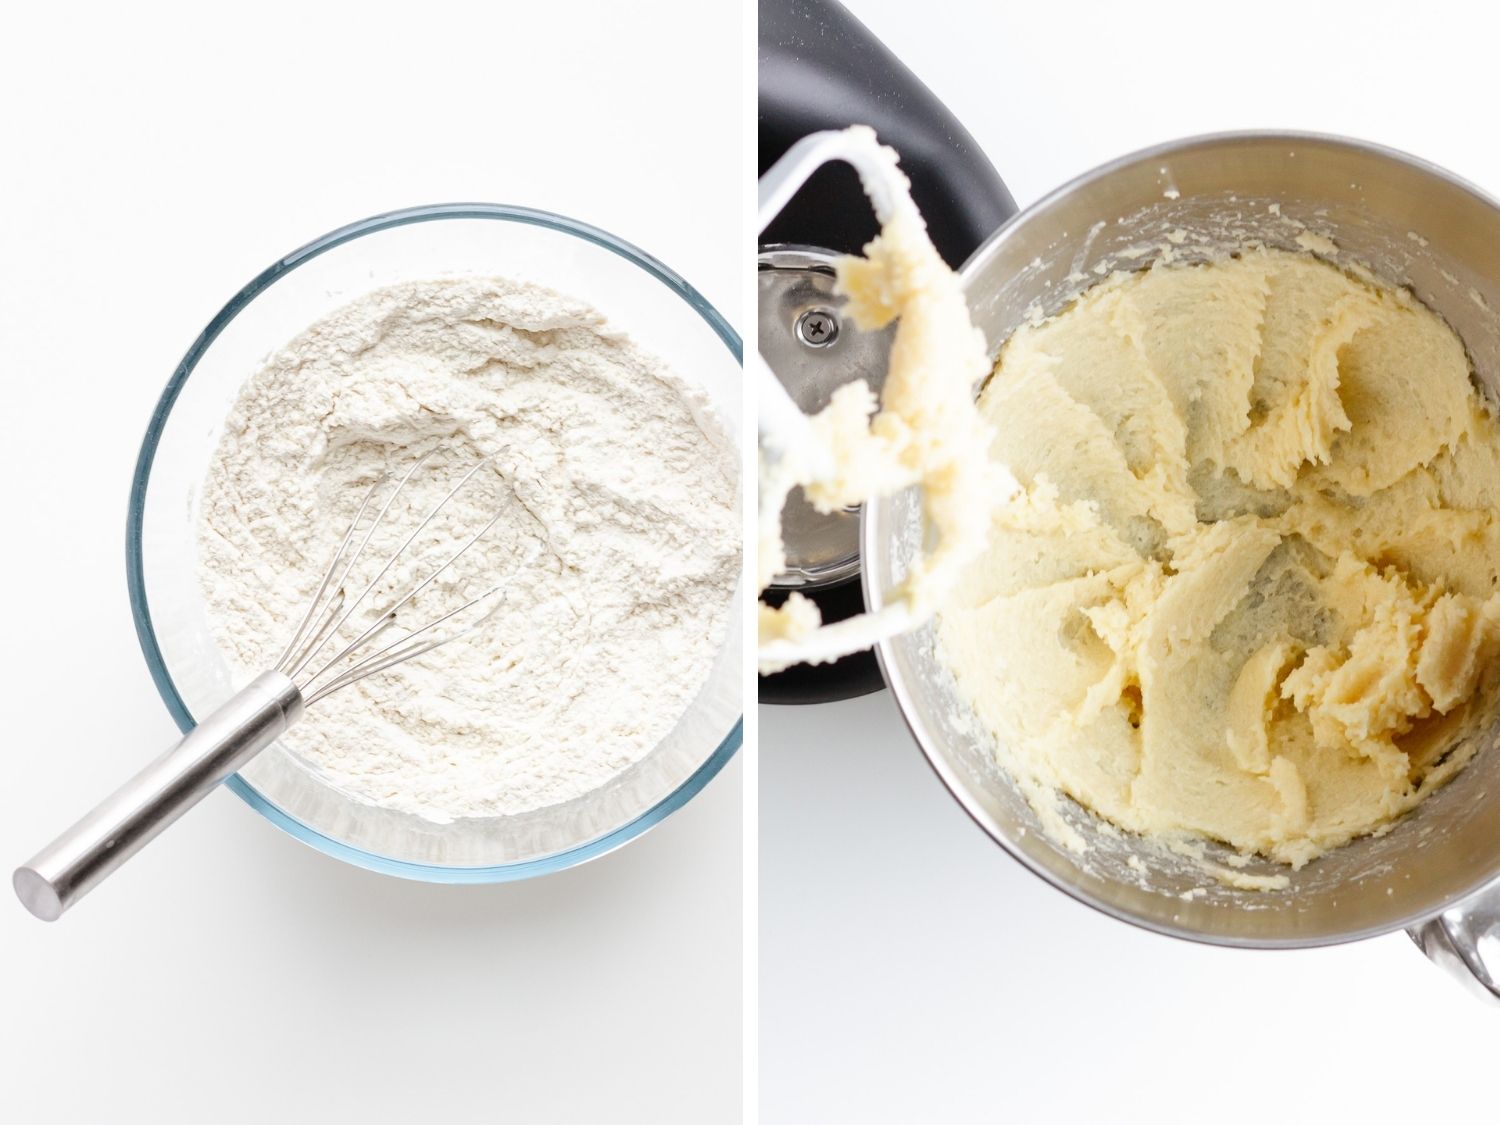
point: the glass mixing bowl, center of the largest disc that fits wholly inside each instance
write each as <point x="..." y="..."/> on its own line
<point x="638" y="294"/>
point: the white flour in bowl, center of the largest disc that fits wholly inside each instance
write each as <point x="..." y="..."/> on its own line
<point x="618" y="535"/>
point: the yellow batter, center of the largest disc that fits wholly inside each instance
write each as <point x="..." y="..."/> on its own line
<point x="1249" y="589"/>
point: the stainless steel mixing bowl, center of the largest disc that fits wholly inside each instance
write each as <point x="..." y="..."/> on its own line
<point x="1356" y="204"/>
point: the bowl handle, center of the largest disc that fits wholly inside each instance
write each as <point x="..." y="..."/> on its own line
<point x="1465" y="940"/>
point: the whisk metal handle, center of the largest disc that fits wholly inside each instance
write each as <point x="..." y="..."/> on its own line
<point x="79" y="860"/>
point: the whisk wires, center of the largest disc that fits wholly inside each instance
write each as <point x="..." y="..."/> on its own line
<point x="331" y="609"/>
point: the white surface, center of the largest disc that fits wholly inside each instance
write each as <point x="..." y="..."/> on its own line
<point x="157" y="157"/>
<point x="910" y="971"/>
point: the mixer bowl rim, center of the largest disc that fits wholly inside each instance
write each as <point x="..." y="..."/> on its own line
<point x="1213" y="140"/>
<point x="873" y="597"/>
<point x="135" y="564"/>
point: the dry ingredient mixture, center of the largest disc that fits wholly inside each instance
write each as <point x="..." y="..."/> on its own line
<point x="618" y="537"/>
<point x="1249" y="589"/>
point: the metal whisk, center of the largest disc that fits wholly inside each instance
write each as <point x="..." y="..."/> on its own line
<point x="314" y="665"/>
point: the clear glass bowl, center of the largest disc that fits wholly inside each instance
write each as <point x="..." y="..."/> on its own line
<point x="659" y="310"/>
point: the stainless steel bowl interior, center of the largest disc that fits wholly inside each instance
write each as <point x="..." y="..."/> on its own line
<point x="1362" y="207"/>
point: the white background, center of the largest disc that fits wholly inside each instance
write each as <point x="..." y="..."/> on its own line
<point x="156" y="157"/>
<point x="910" y="970"/>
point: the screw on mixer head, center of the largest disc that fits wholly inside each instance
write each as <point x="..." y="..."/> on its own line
<point x="817" y="328"/>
